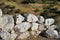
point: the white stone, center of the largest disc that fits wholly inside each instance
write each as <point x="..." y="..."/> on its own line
<point x="41" y="19"/>
<point x="35" y="33"/>
<point x="9" y="23"/>
<point x="24" y="35"/>
<point x="49" y="21"/>
<point x="19" y="19"/>
<point x="32" y="18"/>
<point x="34" y="26"/>
<point x="5" y="35"/>
<point x="41" y="27"/>
<point x="52" y="33"/>
<point x="0" y="12"/>
<point x="23" y="27"/>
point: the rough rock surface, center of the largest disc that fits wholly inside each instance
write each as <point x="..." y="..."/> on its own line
<point x="52" y="33"/>
<point x="23" y="26"/>
<point x="19" y="19"/>
<point x="9" y="23"/>
<point x="24" y="35"/>
<point x="5" y="35"/>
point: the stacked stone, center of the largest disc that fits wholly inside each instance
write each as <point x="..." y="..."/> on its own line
<point x="22" y="26"/>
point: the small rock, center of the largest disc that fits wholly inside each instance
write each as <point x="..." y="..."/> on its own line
<point x="41" y="27"/>
<point x="34" y="26"/>
<point x="23" y="27"/>
<point x="52" y="33"/>
<point x="19" y="19"/>
<point x="41" y="19"/>
<point x="24" y="35"/>
<point x="49" y="21"/>
<point x="5" y="35"/>
<point x="9" y="23"/>
<point x="32" y="18"/>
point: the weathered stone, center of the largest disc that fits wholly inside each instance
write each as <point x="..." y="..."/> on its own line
<point x="32" y="18"/>
<point x="34" y="26"/>
<point x="5" y="35"/>
<point x="24" y="35"/>
<point x="23" y="27"/>
<point x="49" y="21"/>
<point x="9" y="23"/>
<point x="19" y="19"/>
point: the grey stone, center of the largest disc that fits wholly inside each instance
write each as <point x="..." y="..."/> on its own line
<point x="32" y="18"/>
<point x="19" y="19"/>
<point x="5" y="35"/>
<point x="9" y="23"/>
<point x="49" y="21"/>
<point x="22" y="27"/>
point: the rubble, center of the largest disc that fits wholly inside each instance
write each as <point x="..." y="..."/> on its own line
<point x="49" y="22"/>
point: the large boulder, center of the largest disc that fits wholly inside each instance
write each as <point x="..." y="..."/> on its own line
<point x="22" y="27"/>
<point x="32" y="18"/>
<point x="19" y="19"/>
